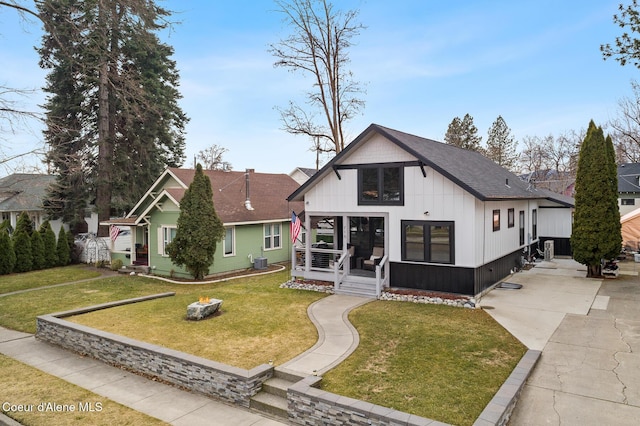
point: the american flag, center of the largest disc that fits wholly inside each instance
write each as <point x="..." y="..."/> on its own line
<point x="295" y="227"/>
<point x="114" y="231"/>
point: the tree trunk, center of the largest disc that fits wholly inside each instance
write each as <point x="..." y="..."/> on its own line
<point x="105" y="144"/>
<point x="594" y="271"/>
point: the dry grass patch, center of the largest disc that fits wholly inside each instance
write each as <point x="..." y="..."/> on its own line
<point x="26" y="385"/>
<point x="433" y="361"/>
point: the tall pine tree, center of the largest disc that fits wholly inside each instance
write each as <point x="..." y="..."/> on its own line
<point x="113" y="117"/>
<point x="596" y="232"/>
<point x="463" y="134"/>
<point x="501" y="147"/>
<point x="199" y="228"/>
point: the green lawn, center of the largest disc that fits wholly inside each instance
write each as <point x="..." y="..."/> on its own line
<point x="45" y="277"/>
<point x="434" y="361"/>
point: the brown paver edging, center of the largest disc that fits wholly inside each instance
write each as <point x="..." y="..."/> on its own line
<point x="232" y="384"/>
<point x="499" y="409"/>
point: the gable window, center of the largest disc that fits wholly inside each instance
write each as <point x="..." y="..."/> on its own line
<point x="272" y="237"/>
<point x="381" y="184"/>
<point x="534" y="224"/>
<point x="427" y="241"/>
<point x="167" y="233"/>
<point x="229" y="241"/>
<point x="496" y="220"/>
<point x="511" y="218"/>
<point x="521" y="225"/>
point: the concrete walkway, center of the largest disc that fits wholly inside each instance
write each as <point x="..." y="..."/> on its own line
<point x="589" y="333"/>
<point x="337" y="339"/>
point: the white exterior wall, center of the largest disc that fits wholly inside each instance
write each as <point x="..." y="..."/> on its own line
<point x="554" y="222"/>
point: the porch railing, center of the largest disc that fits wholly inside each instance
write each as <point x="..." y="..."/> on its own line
<point x="338" y="270"/>
<point x="319" y="259"/>
<point x="382" y="277"/>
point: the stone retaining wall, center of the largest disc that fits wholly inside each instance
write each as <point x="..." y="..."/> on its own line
<point x="211" y="378"/>
<point x="310" y="406"/>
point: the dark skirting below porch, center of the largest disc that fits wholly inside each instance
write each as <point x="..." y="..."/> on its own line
<point x="452" y="279"/>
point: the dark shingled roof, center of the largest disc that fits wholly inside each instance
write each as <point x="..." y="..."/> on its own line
<point x="628" y="177"/>
<point x="23" y="192"/>
<point x="475" y="173"/>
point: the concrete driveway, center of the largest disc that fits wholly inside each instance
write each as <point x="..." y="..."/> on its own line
<point x="589" y="334"/>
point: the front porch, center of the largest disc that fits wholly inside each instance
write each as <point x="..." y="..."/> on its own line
<point x="346" y="250"/>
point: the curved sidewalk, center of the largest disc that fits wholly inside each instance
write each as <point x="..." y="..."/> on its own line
<point x="337" y="338"/>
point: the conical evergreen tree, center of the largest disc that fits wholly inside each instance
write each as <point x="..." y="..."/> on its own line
<point x="199" y="228"/>
<point x="6" y="226"/>
<point x="24" y="223"/>
<point x="22" y="249"/>
<point x="50" y="249"/>
<point x="7" y="255"/>
<point x="501" y="147"/>
<point x="596" y="227"/>
<point x="62" y="247"/>
<point x="37" y="251"/>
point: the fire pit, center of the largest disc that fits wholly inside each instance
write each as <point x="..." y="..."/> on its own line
<point x="203" y="308"/>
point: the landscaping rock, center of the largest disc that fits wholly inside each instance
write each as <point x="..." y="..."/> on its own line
<point x="198" y="310"/>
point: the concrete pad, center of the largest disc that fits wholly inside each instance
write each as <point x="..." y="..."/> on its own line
<point x="130" y="389"/>
<point x="7" y="335"/>
<point x="531" y="326"/>
<point x="535" y="407"/>
<point x="628" y="372"/>
<point x="586" y="331"/>
<point x="33" y="352"/>
<point x="578" y="410"/>
<point x="219" y="414"/>
<point x="630" y="333"/>
<point x="600" y="302"/>
<point x="171" y="404"/>
<point x="96" y="376"/>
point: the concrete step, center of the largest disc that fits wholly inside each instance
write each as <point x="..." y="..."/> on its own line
<point x="270" y="404"/>
<point x="276" y="386"/>
<point x="290" y="376"/>
<point x="354" y="288"/>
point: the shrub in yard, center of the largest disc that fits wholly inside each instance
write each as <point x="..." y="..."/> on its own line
<point x="6" y="226"/>
<point x="37" y="251"/>
<point x="50" y="249"/>
<point x="22" y="248"/>
<point x="62" y="248"/>
<point x="116" y="264"/>
<point x="7" y="255"/>
<point x="24" y="224"/>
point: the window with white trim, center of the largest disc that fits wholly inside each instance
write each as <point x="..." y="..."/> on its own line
<point x="168" y="233"/>
<point x="272" y="236"/>
<point x="229" y="241"/>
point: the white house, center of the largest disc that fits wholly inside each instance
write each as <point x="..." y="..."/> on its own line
<point x="394" y="209"/>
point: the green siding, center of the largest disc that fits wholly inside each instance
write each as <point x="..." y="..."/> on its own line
<point x="249" y="240"/>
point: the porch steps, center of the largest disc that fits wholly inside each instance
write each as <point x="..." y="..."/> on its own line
<point x="355" y="286"/>
<point x="272" y="399"/>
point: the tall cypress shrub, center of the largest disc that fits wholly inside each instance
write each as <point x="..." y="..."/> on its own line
<point x="37" y="251"/>
<point x="7" y="255"/>
<point x="596" y="232"/>
<point x="50" y="249"/>
<point x="62" y="248"/>
<point x="22" y="243"/>
<point x="199" y="228"/>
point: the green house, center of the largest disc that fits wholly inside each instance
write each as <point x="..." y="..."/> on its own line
<point x="252" y="206"/>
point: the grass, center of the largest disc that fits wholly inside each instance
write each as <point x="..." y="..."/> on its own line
<point x="15" y="282"/>
<point x="26" y="385"/>
<point x="434" y="361"/>
<point x="258" y="322"/>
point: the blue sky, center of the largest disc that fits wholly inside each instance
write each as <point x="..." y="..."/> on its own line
<point x="536" y="63"/>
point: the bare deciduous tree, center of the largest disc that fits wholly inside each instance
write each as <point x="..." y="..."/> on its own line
<point x="626" y="127"/>
<point x="318" y="46"/>
<point x="211" y="158"/>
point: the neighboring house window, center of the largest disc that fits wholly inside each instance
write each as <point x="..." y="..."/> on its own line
<point x="628" y="201"/>
<point x="272" y="238"/>
<point x="168" y="234"/>
<point x="521" y="224"/>
<point x="511" y="218"/>
<point x="496" y="220"/>
<point x="229" y="241"/>
<point x="534" y="224"/>
<point x="427" y="241"/>
<point x="381" y="185"/>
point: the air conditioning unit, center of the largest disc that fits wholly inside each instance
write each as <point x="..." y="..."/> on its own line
<point x="260" y="263"/>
